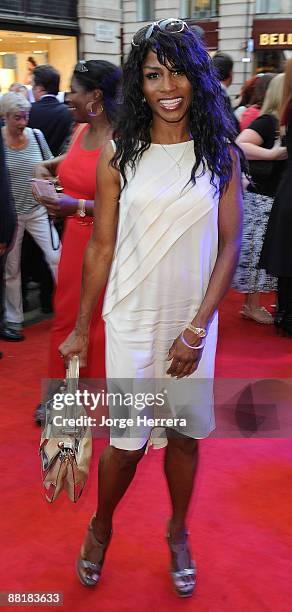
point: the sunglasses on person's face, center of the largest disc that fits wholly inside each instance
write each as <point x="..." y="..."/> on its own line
<point x="171" y="26"/>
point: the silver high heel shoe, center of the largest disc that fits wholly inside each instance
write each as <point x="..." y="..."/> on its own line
<point x="184" y="578"/>
<point x="92" y="556"/>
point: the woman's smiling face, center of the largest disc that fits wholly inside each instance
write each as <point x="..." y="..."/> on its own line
<point x="166" y="88"/>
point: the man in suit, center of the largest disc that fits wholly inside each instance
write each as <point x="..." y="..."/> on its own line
<point x="7" y="227"/>
<point x="224" y="66"/>
<point x="48" y="114"/>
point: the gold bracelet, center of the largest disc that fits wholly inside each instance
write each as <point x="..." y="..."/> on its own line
<point x="201" y="332"/>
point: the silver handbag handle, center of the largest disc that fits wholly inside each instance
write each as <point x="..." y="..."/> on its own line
<point x="72" y="374"/>
<point x="72" y="379"/>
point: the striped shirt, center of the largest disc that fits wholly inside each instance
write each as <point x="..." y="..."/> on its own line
<point x="21" y="164"/>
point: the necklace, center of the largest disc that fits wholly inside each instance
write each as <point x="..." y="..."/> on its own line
<point x="177" y="162"/>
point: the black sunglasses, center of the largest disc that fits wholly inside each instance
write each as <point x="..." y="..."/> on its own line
<point x="171" y="26"/>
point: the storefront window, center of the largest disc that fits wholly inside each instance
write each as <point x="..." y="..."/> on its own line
<point x="11" y="6"/>
<point x="67" y="9"/>
<point x="21" y="51"/>
<point x="268" y="6"/>
<point x="269" y="61"/>
<point x="54" y="8"/>
<point x="198" y="9"/>
<point x="145" y="10"/>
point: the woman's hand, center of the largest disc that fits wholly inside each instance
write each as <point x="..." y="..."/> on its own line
<point x="75" y="344"/>
<point x="51" y="204"/>
<point x="63" y="206"/>
<point x="279" y="153"/>
<point x="60" y="206"/>
<point x="184" y="360"/>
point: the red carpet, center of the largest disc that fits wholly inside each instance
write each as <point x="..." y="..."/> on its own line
<point x="240" y="520"/>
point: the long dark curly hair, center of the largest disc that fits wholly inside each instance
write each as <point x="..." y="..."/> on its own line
<point x="210" y="122"/>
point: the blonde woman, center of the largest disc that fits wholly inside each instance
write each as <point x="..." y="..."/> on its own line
<point x="276" y="253"/>
<point x="260" y="145"/>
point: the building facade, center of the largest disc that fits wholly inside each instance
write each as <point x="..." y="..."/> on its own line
<point x="256" y="33"/>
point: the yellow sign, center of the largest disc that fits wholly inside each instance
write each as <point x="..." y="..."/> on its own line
<point x="276" y="39"/>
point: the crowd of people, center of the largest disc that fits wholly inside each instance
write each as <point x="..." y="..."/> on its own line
<point x="262" y="114"/>
<point x="152" y="202"/>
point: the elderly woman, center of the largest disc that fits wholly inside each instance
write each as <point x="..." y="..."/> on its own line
<point x="24" y="148"/>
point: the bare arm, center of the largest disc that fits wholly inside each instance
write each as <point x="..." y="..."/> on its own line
<point x="98" y="255"/>
<point x="229" y="231"/>
<point x="251" y="143"/>
<point x="48" y="168"/>
<point x="184" y="360"/>
<point x="63" y="205"/>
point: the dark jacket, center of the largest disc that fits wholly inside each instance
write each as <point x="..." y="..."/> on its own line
<point x="7" y="210"/>
<point x="230" y="111"/>
<point x="53" y="119"/>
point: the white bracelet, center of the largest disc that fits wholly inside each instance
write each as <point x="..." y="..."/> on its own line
<point x="196" y="348"/>
<point x="81" y="210"/>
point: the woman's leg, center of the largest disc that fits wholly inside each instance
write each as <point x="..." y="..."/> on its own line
<point x="253" y="300"/>
<point x="13" y="293"/>
<point x="180" y="466"/>
<point x="253" y="310"/>
<point x="116" y="471"/>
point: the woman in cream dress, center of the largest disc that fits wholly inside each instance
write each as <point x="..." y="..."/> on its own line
<point x="156" y="286"/>
<point x="166" y="240"/>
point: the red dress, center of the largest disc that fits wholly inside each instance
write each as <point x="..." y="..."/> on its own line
<point x="77" y="174"/>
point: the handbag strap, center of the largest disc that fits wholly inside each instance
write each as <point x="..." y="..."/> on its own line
<point x="72" y="379"/>
<point x="55" y="247"/>
<point x="38" y="140"/>
<point x="72" y="374"/>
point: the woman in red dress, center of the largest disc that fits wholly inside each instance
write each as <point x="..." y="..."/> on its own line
<point x="94" y="89"/>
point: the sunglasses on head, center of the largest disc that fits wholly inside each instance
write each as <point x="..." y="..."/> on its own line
<point x="171" y="26"/>
<point x="81" y="66"/>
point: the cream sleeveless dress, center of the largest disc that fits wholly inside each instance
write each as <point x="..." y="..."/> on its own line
<point x="166" y="248"/>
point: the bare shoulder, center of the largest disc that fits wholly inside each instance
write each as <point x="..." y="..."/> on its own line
<point x="105" y="170"/>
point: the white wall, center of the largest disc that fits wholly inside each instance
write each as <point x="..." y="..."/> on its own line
<point x="163" y="10"/>
<point x="95" y="12"/>
<point x="235" y="26"/>
<point x="63" y="56"/>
